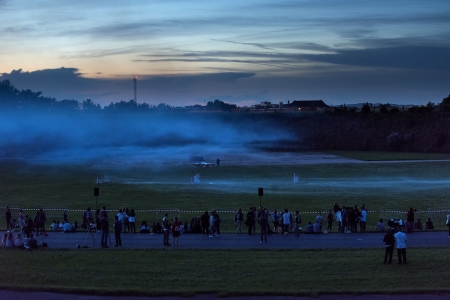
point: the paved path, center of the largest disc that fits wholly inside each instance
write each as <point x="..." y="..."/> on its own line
<point x="56" y="296"/>
<point x="244" y="241"/>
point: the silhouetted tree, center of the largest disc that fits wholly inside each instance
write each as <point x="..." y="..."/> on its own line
<point x="365" y="109"/>
<point x="89" y="105"/>
<point x="445" y="104"/>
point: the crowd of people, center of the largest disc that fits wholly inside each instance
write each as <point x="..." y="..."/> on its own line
<point x="347" y="220"/>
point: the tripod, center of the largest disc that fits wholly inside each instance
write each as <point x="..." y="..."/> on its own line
<point x="89" y="232"/>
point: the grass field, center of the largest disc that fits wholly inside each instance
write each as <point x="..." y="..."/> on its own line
<point x="232" y="272"/>
<point x="381" y="186"/>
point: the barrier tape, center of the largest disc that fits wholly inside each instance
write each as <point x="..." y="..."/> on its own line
<point x="220" y="211"/>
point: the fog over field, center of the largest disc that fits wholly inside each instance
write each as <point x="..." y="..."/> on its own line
<point x="156" y="137"/>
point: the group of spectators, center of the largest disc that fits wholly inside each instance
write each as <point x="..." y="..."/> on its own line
<point x="18" y="241"/>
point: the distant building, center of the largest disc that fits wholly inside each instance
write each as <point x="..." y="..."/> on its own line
<point x="305" y="105"/>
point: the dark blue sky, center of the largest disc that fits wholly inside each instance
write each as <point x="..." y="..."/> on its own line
<point x="244" y="52"/>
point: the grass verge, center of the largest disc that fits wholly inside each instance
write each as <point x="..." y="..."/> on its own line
<point x="224" y="272"/>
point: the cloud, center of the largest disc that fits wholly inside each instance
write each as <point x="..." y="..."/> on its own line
<point x="408" y="57"/>
<point x="69" y="83"/>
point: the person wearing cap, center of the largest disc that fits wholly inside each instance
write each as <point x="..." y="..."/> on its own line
<point x="400" y="241"/>
<point x="389" y="241"/>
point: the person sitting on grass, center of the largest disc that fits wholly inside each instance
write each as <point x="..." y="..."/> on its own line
<point x="429" y="224"/>
<point x="309" y="228"/>
<point x="418" y="224"/>
<point x="18" y="240"/>
<point x="67" y="228"/>
<point x="5" y="237"/>
<point x="380" y="225"/>
<point x="317" y="227"/>
<point x="31" y="242"/>
<point x="13" y="223"/>
<point x="186" y="228"/>
<point x="61" y="226"/>
<point x="75" y="226"/>
<point x="144" y="227"/>
<point x="154" y="228"/>
<point x="54" y="226"/>
<point x="9" y="240"/>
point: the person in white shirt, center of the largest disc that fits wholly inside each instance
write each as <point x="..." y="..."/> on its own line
<point x="400" y="242"/>
<point x="67" y="227"/>
<point x="362" y="222"/>
<point x="54" y="226"/>
<point x="286" y="220"/>
<point x="18" y="241"/>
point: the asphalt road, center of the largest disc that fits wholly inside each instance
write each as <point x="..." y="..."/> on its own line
<point x="244" y="241"/>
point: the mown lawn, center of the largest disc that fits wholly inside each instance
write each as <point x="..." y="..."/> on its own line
<point x="224" y="272"/>
<point x="385" y="188"/>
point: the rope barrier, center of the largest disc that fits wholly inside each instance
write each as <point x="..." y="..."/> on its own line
<point x="220" y="211"/>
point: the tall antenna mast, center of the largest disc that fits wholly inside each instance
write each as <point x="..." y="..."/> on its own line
<point x="135" y="88"/>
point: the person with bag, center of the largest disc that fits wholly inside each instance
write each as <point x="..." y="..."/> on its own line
<point x="175" y="231"/>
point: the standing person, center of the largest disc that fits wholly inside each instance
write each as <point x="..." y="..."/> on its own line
<point x="238" y="218"/>
<point x="8" y="219"/>
<point x="117" y="229"/>
<point x="344" y="217"/>
<point x="400" y="240"/>
<point x="319" y="219"/>
<point x="263" y="225"/>
<point x="28" y="229"/>
<point x="105" y="231"/>
<point x="276" y="220"/>
<point x="249" y="221"/>
<point x="217" y="222"/>
<point x="125" y="220"/>
<point x="389" y="241"/>
<point x="218" y="162"/>
<point x="329" y="220"/>
<point x="132" y="220"/>
<point x="286" y="221"/>
<point x="410" y="220"/>
<point x="175" y="231"/>
<point x="97" y="220"/>
<point x="120" y="216"/>
<point x="42" y="221"/>
<point x="335" y="207"/>
<point x="88" y="217"/>
<point x="338" y="216"/>
<point x="204" y="221"/>
<point x="166" y="226"/>
<point x="362" y="222"/>
<point x="21" y="221"/>
<point x="66" y="216"/>
<point x="211" y="224"/>
<point x="104" y="212"/>
<point x="298" y="221"/>
<point x="448" y="224"/>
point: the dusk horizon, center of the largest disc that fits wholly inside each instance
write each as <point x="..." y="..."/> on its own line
<point x="242" y="53"/>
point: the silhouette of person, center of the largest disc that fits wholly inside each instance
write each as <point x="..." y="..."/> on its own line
<point x="218" y="162"/>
